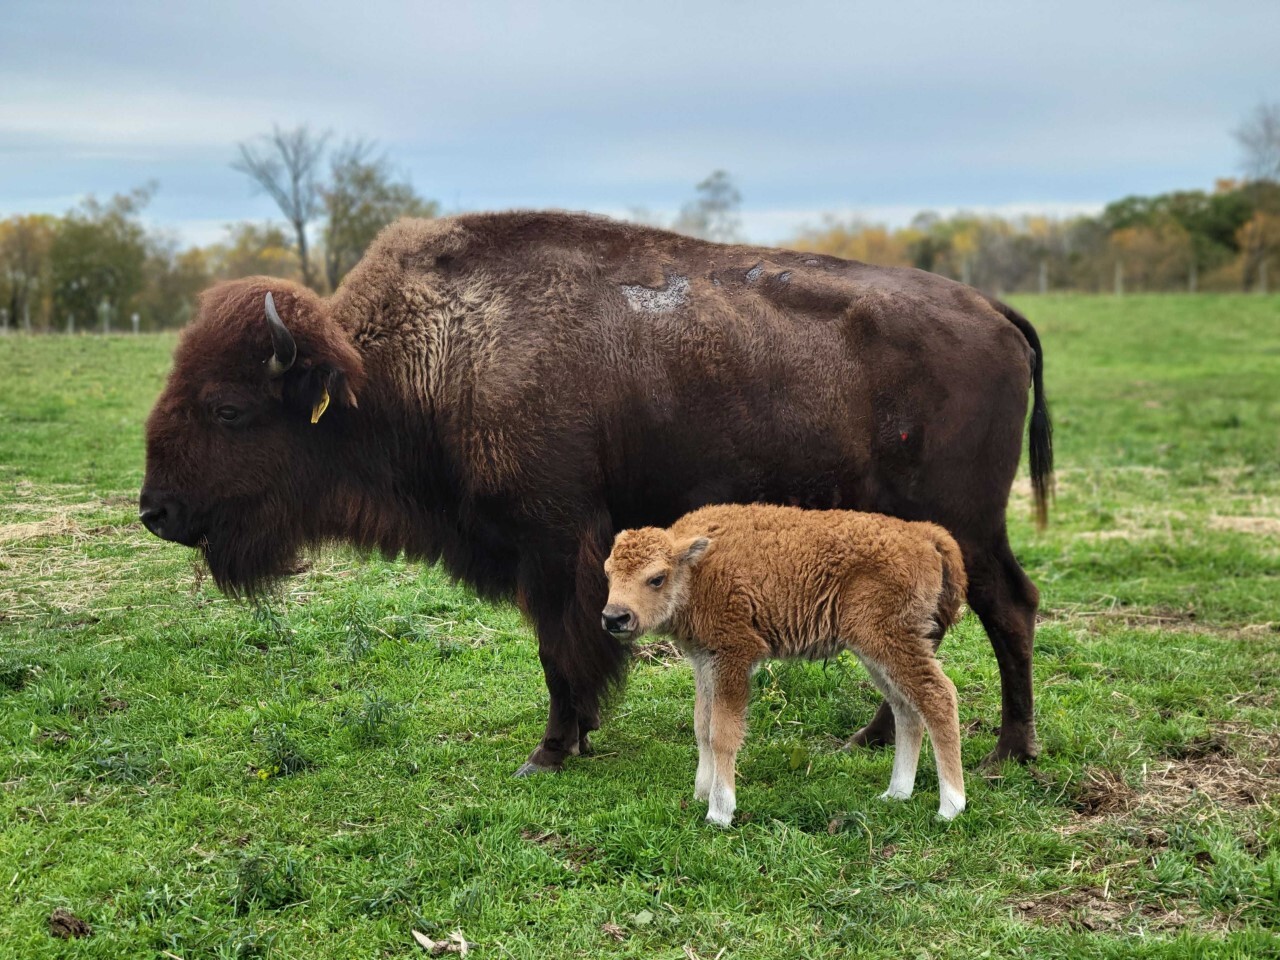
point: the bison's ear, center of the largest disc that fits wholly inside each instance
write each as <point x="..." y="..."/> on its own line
<point x="312" y="389"/>
<point x="691" y="551"/>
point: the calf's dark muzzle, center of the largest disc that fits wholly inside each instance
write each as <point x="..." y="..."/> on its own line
<point x="618" y="620"/>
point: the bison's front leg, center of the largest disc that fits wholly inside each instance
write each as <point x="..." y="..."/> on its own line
<point x="580" y="660"/>
<point x="561" y="737"/>
<point x="575" y="688"/>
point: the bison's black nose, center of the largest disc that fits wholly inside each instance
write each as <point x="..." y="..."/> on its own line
<point x="163" y="515"/>
<point x="618" y="620"/>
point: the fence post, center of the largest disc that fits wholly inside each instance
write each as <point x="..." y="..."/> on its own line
<point x="1192" y="278"/>
<point x="4" y="320"/>
<point x="71" y="323"/>
<point x="1044" y="276"/>
<point x="1262" y="277"/>
<point x="1119" y="278"/>
<point x="135" y="320"/>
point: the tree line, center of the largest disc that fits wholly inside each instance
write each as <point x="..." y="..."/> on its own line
<point x="1224" y="239"/>
<point x="100" y="267"/>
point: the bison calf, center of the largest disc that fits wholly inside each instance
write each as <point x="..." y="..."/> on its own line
<point x="735" y="585"/>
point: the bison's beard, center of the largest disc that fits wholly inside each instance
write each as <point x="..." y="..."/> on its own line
<point x="250" y="554"/>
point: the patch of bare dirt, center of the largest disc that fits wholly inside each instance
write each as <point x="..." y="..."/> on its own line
<point x="1258" y="526"/>
<point x="1234" y="765"/>
<point x="61" y="524"/>
<point x="1097" y="536"/>
<point x="65" y="925"/>
<point x="658" y="651"/>
<point x="1105" y="909"/>
<point x="1157" y="618"/>
<point x="574" y="856"/>
<point x="1104" y="792"/>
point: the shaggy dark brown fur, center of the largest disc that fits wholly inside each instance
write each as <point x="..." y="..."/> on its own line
<point x="735" y="585"/>
<point x="509" y="390"/>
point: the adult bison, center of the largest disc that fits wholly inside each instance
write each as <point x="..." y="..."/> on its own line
<point x="503" y="392"/>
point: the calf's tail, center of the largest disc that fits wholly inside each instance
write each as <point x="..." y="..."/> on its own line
<point x="955" y="582"/>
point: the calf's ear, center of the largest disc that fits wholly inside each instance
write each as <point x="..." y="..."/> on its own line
<point x="691" y="551"/>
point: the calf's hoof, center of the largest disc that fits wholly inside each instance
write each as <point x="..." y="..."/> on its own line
<point x="721" y="805"/>
<point x="892" y="794"/>
<point x="950" y="808"/>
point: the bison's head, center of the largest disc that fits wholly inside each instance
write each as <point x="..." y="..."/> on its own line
<point x="648" y="572"/>
<point x="243" y="443"/>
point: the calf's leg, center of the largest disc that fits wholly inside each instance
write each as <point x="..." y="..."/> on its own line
<point x="728" y="725"/>
<point x="919" y="678"/>
<point x="704" y="682"/>
<point x="908" y="730"/>
<point x="880" y="731"/>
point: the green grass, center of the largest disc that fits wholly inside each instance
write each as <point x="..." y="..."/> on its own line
<point x="197" y="778"/>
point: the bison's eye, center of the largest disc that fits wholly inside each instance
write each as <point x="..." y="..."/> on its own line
<point x="227" y="414"/>
<point x="657" y="581"/>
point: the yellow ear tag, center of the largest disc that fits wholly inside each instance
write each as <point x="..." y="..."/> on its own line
<point x="321" y="406"/>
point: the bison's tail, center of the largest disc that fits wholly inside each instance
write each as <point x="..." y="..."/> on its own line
<point x="955" y="582"/>
<point x="1041" y="439"/>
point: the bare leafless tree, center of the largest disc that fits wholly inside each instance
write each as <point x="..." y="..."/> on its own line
<point x="361" y="197"/>
<point x="283" y="165"/>
<point x="1259" y="139"/>
<point x="713" y="213"/>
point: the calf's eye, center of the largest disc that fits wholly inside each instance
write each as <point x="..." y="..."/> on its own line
<point x="227" y="414"/>
<point x="657" y="581"/>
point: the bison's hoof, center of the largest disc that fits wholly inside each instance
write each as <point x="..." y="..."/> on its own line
<point x="529" y="768"/>
<point x="870" y="736"/>
<point x="1022" y="749"/>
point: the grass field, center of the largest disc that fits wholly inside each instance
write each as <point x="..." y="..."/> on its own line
<point x="196" y="778"/>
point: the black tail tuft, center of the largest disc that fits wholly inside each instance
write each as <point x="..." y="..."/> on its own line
<point x="1041" y="439"/>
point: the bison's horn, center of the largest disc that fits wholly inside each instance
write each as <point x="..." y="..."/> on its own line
<point x="281" y="341"/>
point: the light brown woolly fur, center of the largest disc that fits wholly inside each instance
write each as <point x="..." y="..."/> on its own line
<point x="735" y="585"/>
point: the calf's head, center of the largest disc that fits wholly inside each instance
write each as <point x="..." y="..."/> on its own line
<point x="243" y="441"/>
<point x="648" y="571"/>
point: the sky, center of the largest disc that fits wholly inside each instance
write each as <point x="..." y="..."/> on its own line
<point x="875" y="110"/>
